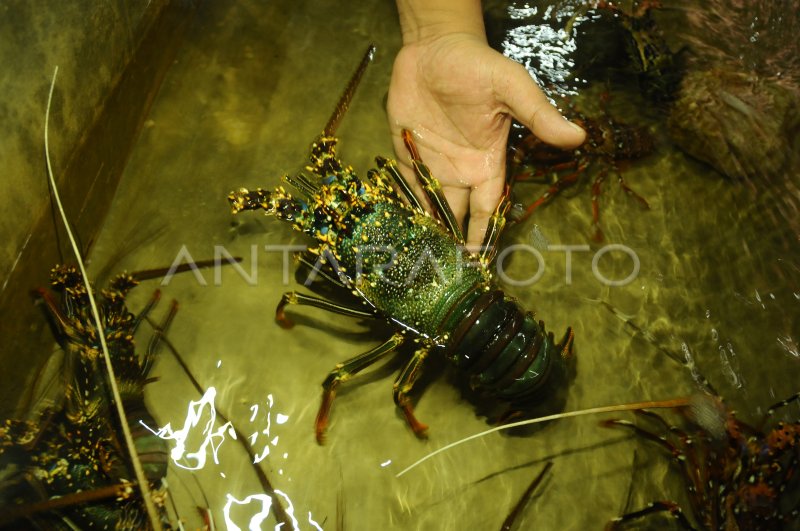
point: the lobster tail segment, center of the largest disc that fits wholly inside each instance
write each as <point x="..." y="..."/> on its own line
<point x="505" y="351"/>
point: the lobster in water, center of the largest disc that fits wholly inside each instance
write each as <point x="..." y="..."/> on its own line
<point x="412" y="270"/>
<point x="739" y="477"/>
<point x="608" y="142"/>
<point x="66" y="466"/>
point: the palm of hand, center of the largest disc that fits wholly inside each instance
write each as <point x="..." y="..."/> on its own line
<point x="446" y="92"/>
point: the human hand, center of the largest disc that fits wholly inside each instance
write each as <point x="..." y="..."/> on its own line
<point x="458" y="97"/>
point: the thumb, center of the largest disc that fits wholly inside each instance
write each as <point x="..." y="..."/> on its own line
<point x="529" y="106"/>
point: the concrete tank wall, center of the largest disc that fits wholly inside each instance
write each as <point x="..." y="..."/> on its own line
<point x="111" y="57"/>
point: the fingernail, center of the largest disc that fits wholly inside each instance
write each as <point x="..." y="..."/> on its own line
<point x="576" y="127"/>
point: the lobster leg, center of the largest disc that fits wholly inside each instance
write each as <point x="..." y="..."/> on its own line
<point x="141" y="316"/>
<point x="60" y="319"/>
<point x="432" y="188"/>
<point x="292" y="297"/>
<point x="686" y="456"/>
<point x="328" y="273"/>
<point x="155" y="341"/>
<point x="559" y="186"/>
<point x="508" y="523"/>
<point x="497" y="223"/>
<point x="119" y="491"/>
<point x="773" y="407"/>
<point x="555" y="168"/>
<point x="644" y="433"/>
<point x="596" y="191"/>
<point x="686" y="453"/>
<point x="403" y="386"/>
<point x="654" y="507"/>
<point x="390" y="167"/>
<point x="628" y="190"/>
<point x="342" y="372"/>
<point x="149" y="274"/>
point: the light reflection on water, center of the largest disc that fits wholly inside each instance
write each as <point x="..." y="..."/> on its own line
<point x="540" y="48"/>
<point x="212" y="437"/>
<point x="199" y="433"/>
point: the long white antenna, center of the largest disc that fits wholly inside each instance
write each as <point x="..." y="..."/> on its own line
<point x="678" y="402"/>
<point x="144" y="487"/>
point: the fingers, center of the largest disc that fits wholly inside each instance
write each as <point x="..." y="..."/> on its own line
<point x="527" y="103"/>
<point x="458" y="199"/>
<point x="444" y="170"/>
<point x="482" y="202"/>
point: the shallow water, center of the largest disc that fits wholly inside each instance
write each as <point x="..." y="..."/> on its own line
<point x="252" y="86"/>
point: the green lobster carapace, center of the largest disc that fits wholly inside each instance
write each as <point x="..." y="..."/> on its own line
<point x="375" y="239"/>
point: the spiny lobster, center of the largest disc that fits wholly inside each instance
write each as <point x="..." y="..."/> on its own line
<point x="67" y="465"/>
<point x="609" y="143"/>
<point x="412" y="270"/>
<point x="739" y="477"/>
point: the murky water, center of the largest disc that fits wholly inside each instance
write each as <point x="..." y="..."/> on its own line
<point x="252" y="86"/>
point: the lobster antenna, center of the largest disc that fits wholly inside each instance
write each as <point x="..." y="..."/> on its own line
<point x="126" y="432"/>
<point x="347" y="95"/>
<point x="677" y="402"/>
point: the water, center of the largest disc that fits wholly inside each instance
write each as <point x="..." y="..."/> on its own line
<point x="251" y="87"/>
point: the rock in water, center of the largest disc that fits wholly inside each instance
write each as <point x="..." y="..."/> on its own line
<point x="743" y="126"/>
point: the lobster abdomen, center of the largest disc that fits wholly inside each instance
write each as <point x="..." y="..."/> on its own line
<point x="504" y="349"/>
<point x="413" y="271"/>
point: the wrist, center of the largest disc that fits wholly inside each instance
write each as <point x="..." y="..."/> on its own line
<point x="422" y="20"/>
